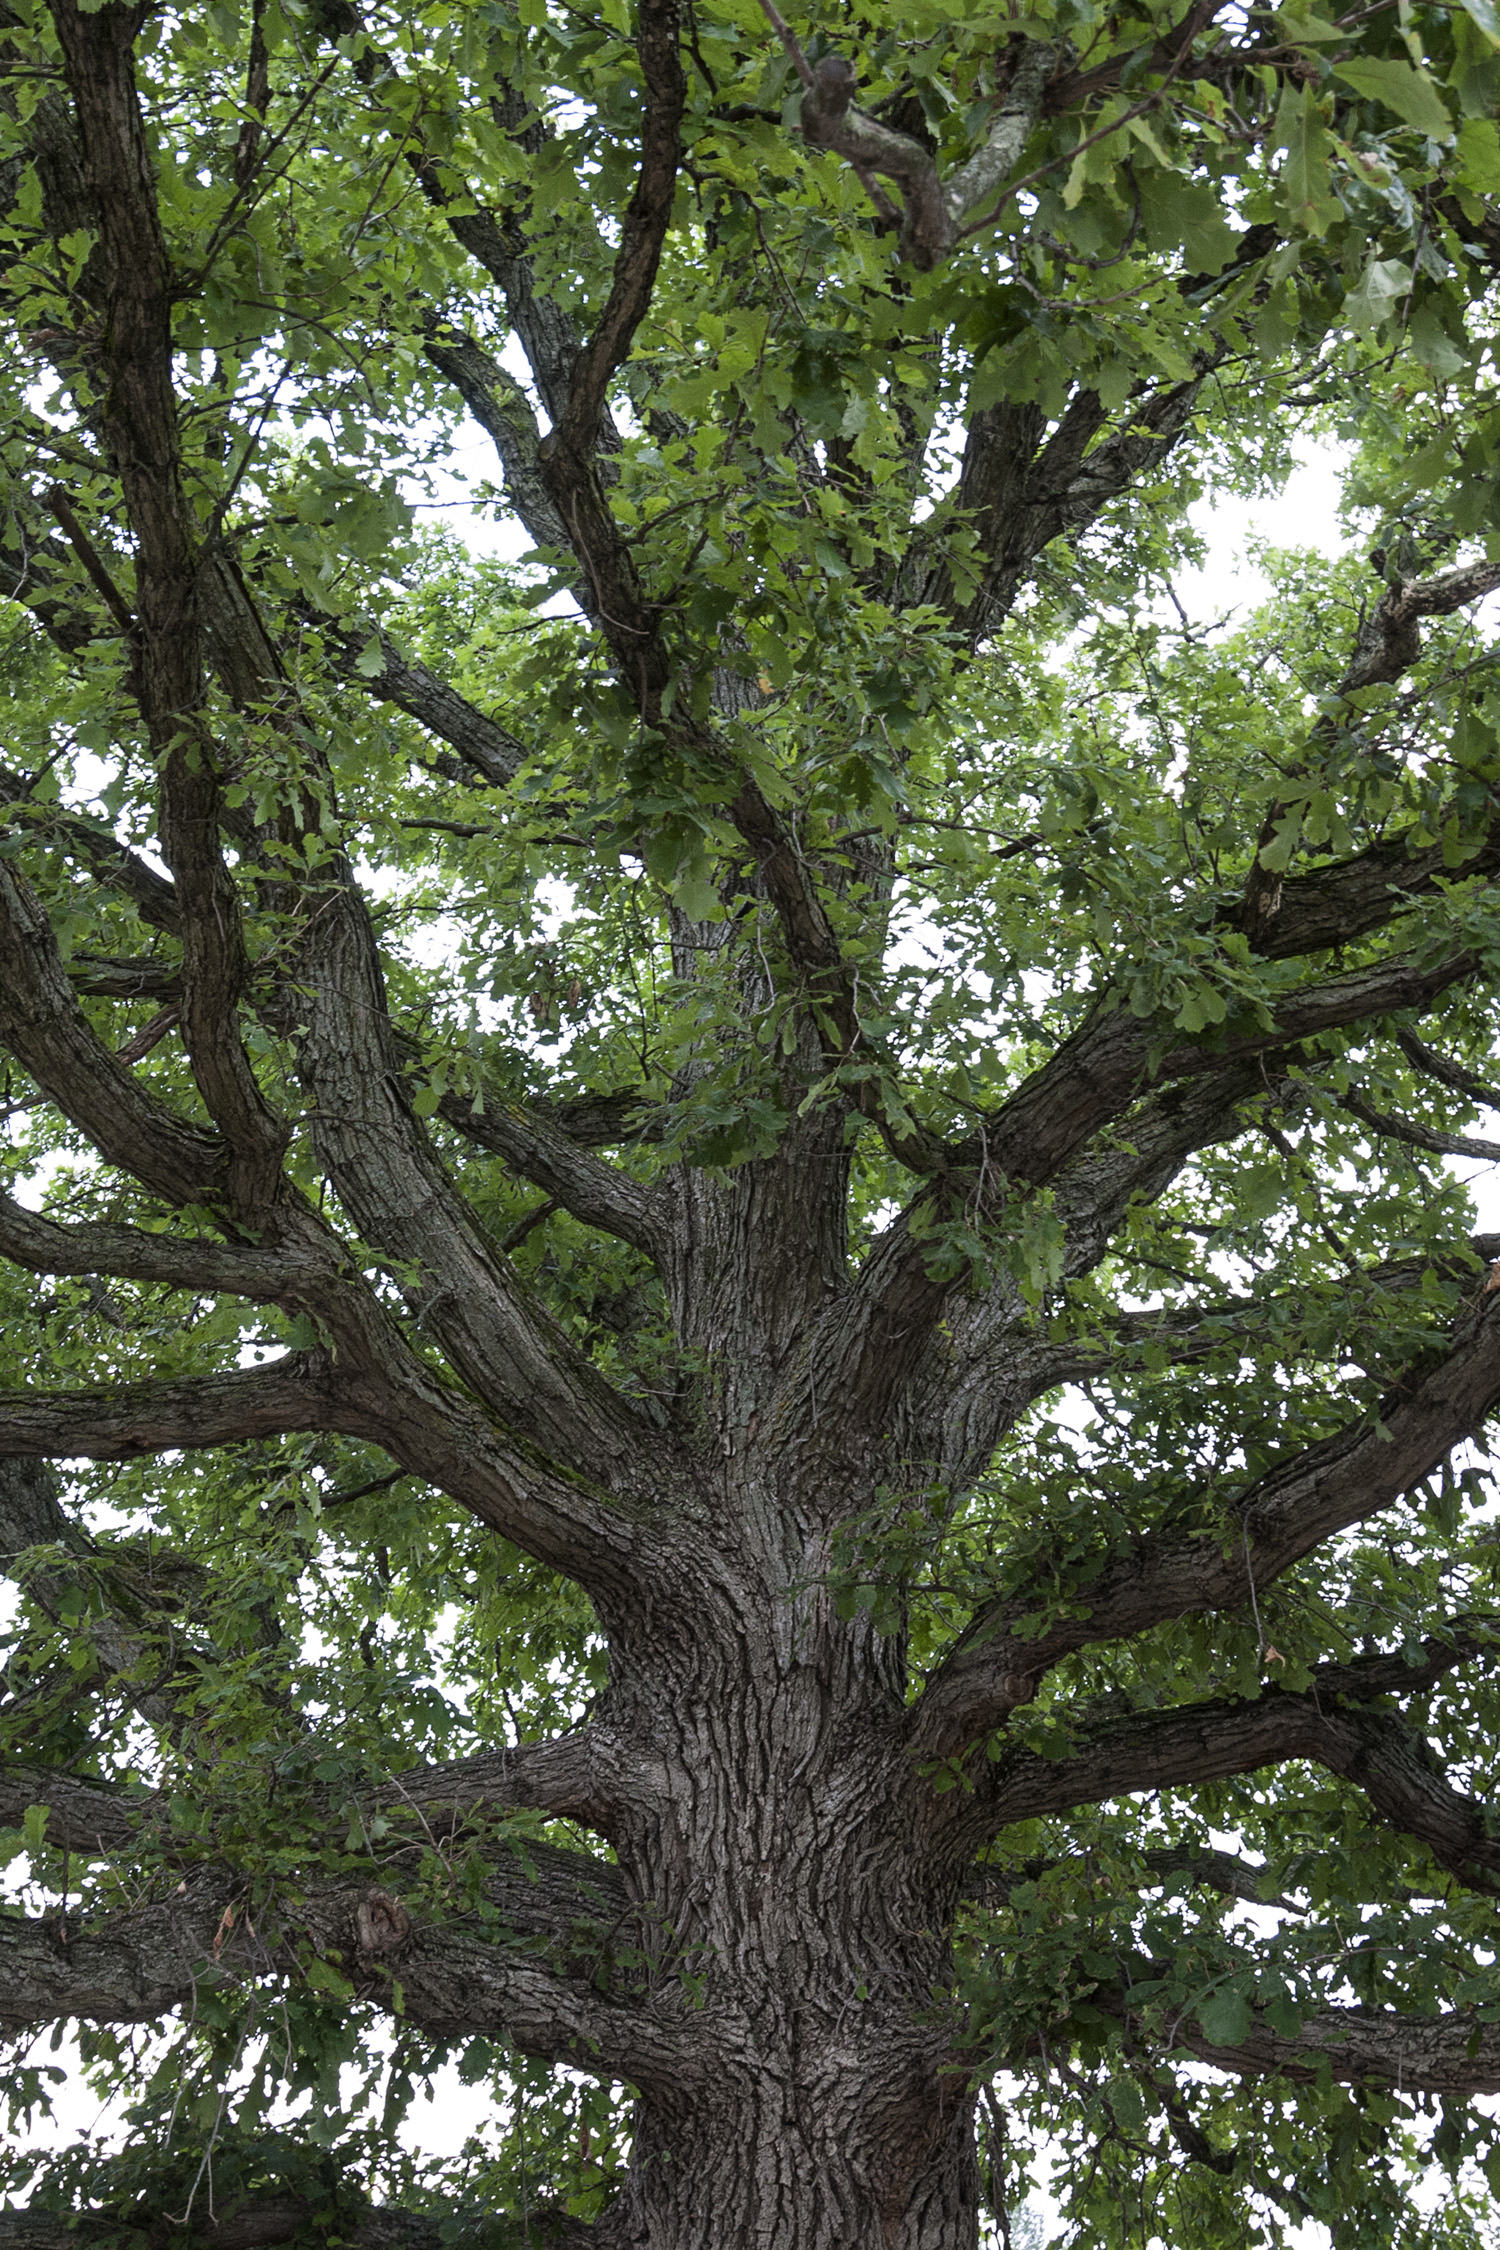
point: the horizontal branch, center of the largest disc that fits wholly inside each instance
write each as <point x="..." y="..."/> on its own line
<point x="1333" y="1723"/>
<point x="1417" y="1136"/>
<point x="1456" y="2055"/>
<point x="1283" y="1516"/>
<point x="582" y="1776"/>
<point x="269" y="2220"/>
<point x="989" y="1887"/>
<point x="174" y="1261"/>
<point x="536" y="1969"/>
<point x="1185" y="1333"/>
<point x="124" y="1420"/>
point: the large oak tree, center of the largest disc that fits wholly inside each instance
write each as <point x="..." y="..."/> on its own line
<point x="740" y="1239"/>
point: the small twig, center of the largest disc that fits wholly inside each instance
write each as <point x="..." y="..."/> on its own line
<point x="514" y="1236"/>
<point x="114" y="601"/>
<point x="788" y="38"/>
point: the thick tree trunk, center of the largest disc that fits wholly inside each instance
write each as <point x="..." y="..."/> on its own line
<point x="788" y="1855"/>
<point x="817" y="2148"/>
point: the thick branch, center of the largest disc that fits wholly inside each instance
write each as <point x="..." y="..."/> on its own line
<point x="43" y="1025"/>
<point x="1332" y="1724"/>
<point x="1095" y="1074"/>
<point x="174" y="1261"/>
<point x="478" y="739"/>
<point x="551" y="1995"/>
<point x="1282" y="1517"/>
<point x="500" y="407"/>
<point x="139" y="424"/>
<point x="271" y="2220"/>
<point x="597" y="1193"/>
<point x="123" y="1420"/>
<point x="1417" y="1136"/>
<point x="1334" y="905"/>
<point x="1453" y="2055"/>
<point x="647" y="218"/>
<point x="584" y="1776"/>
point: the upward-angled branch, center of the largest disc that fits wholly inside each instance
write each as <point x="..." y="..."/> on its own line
<point x="1282" y="1517"/>
<point x="566" y="456"/>
<point x="404" y="680"/>
<point x="933" y="209"/>
<point x="45" y="1028"/>
<point x="1389" y="640"/>
<point x="598" y="1193"/>
<point x="1040" y="1137"/>
<point x="138" y="422"/>
<point x="1333" y="1723"/>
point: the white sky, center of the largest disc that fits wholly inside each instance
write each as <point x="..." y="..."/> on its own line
<point x="1304" y="514"/>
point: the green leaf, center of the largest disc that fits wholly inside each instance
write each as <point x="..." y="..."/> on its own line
<point x="1382" y="286"/>
<point x="1409" y="93"/>
<point x="324" y="1977"/>
<point x="1187" y="214"/>
<point x="1482" y="13"/>
<point x="1479" y="154"/>
<point x="1311" y="207"/>
<point x="1225" y="2017"/>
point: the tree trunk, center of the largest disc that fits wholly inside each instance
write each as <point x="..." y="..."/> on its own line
<point x="789" y="1857"/>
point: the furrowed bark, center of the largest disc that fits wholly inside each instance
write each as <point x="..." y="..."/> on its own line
<point x="128" y="1419"/>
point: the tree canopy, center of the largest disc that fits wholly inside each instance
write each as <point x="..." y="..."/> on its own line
<point x="745" y="1371"/>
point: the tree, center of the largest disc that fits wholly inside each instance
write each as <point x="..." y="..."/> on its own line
<point x="741" y="1250"/>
